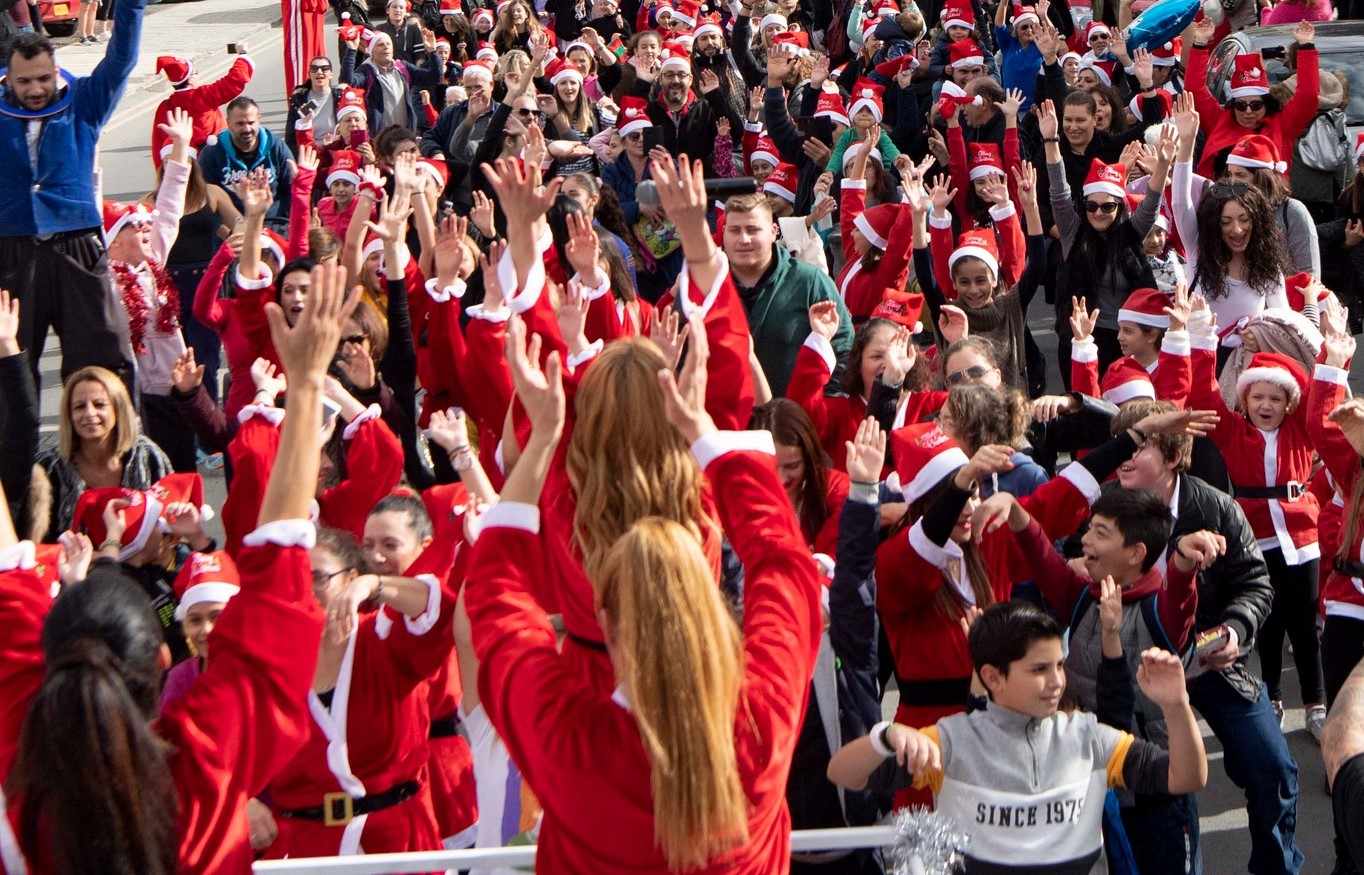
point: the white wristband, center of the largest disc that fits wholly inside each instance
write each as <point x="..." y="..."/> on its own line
<point x="874" y="736"/>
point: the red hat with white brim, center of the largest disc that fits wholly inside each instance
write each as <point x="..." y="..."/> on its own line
<point x="783" y="182"/>
<point x="924" y="457"/>
<point x="205" y="577"/>
<point x="1276" y="369"/>
<point x="1125" y="380"/>
<point x="977" y="243"/>
<point x="1146" y="307"/>
<point x="1106" y="179"/>
<point x="1257" y="152"/>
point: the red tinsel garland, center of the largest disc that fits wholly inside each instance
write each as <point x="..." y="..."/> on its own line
<point x="135" y="303"/>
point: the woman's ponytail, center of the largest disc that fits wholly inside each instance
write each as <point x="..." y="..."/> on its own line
<point x="679" y="655"/>
<point x="92" y="778"/>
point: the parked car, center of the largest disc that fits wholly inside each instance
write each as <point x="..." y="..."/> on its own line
<point x="59" y="16"/>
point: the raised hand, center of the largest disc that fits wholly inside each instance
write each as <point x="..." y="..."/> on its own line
<point x="448" y="254"/>
<point x="994" y="191"/>
<point x="684" y="395"/>
<point x="269" y="380"/>
<point x="1110" y="606"/>
<point x="824" y="319"/>
<point x="755" y="102"/>
<point x="952" y="324"/>
<point x="941" y="194"/>
<point x="186" y="375"/>
<point x="1201" y="31"/>
<point x="392" y="222"/>
<point x="255" y="195"/>
<point x="73" y="563"/>
<point x="901" y="354"/>
<point x="1082" y="320"/>
<point x="482" y="214"/>
<point x="541" y="392"/>
<point x="519" y="193"/>
<point x="1161" y="678"/>
<point x="1179" y="309"/>
<point x="1340" y="343"/>
<point x="866" y="452"/>
<point x="1047" y="40"/>
<point x="178" y="128"/>
<point x="989" y="459"/>
<point x="306" y="348"/>
<point x="1185" y="116"/>
<point x="448" y="430"/>
<point x="1194" y="422"/>
<point x="778" y="67"/>
<point x="820" y="71"/>
<point x="1142" y="67"/>
<point x="494" y="296"/>
<point x="681" y="190"/>
<point x="572" y="316"/>
<point x="582" y="247"/>
<point x="669" y="332"/>
<point x="709" y="81"/>
<point x="1046" y="119"/>
<point x="1304" y="33"/>
<point x="9" y="324"/>
<point x="1025" y="178"/>
<point x="1013" y="99"/>
<point x="307" y="157"/>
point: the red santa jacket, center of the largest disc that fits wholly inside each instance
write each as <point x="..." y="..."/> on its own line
<point x="959" y="166"/>
<point x="581" y="752"/>
<point x="244" y="717"/>
<point x="1283" y="127"/>
<point x="1343" y="594"/>
<point x="204" y="104"/>
<point x="1170" y="372"/>
<point x="862" y="289"/>
<point x="1013" y="248"/>
<point x="1257" y="458"/>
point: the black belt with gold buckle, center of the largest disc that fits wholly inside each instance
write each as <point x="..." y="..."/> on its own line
<point x="339" y="808"/>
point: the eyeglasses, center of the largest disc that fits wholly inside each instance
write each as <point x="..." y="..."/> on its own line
<point x="321" y="580"/>
<point x="634" y="136"/>
<point x="1228" y="189"/>
<point x="1248" y="105"/>
<point x="356" y="339"/>
<point x="973" y="374"/>
<point x="1096" y="207"/>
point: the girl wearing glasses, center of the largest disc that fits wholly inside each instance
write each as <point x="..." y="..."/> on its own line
<point x="1251" y="109"/>
<point x="1102" y="254"/>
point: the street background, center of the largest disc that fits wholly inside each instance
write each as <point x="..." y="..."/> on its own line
<point x="201" y="31"/>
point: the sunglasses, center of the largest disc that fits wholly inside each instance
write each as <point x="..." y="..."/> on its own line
<point x="1248" y="105"/>
<point x="527" y="113"/>
<point x="973" y="374"/>
<point x="634" y="136"/>
<point x="1096" y="207"/>
<point x="356" y="339"/>
<point x="321" y="68"/>
<point x="1099" y="37"/>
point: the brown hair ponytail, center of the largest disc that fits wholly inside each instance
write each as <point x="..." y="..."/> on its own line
<point x="95" y="787"/>
<point x="678" y="655"/>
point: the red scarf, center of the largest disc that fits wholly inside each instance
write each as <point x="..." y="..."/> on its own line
<point x="135" y="303"/>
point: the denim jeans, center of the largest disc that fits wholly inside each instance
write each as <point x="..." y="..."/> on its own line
<point x="1164" y="834"/>
<point x="1257" y="760"/>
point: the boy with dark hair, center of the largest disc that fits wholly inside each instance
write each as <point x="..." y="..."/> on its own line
<point x="1128" y="532"/>
<point x="1027" y="781"/>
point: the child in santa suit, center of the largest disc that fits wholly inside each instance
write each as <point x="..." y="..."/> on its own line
<point x="149" y="303"/>
<point x="1154" y="341"/>
<point x="203" y="102"/>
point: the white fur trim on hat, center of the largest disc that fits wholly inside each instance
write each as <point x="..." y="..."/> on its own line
<point x="864" y="103"/>
<point x="1248" y="91"/>
<point x="637" y="124"/>
<point x="958" y="22"/>
<point x="984" y="255"/>
<point x="861" y="224"/>
<point x="1150" y="320"/>
<point x="764" y="155"/>
<point x="351" y="110"/>
<point x="933" y="473"/>
<point x="1105" y="188"/>
<point x="478" y="70"/>
<point x="1242" y="161"/>
<point x="568" y="72"/>
<point x="781" y="191"/>
<point x="1068" y="55"/>
<point x="1274" y="376"/>
<point x="1026" y="17"/>
<point x="1124" y="392"/>
<point x="343" y="176"/>
<point x="151" y="518"/>
<point x="984" y="170"/>
<point x="856" y="149"/>
<point x="708" y="27"/>
<point x="208" y="591"/>
<point x="771" y="19"/>
<point x="676" y="62"/>
<point x="170" y="147"/>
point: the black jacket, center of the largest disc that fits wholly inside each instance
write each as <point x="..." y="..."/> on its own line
<point x="296" y="101"/>
<point x="1236" y="589"/>
<point x="407" y="40"/>
<point x="365" y="77"/>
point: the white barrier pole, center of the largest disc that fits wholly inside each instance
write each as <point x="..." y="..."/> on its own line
<point x="426" y="861"/>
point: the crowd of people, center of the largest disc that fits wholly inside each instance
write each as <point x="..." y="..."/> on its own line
<point x="620" y="405"/>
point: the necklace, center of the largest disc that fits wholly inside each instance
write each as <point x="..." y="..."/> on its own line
<point x="135" y="303"/>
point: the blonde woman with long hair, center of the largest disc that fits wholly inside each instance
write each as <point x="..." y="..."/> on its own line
<point x="684" y="767"/>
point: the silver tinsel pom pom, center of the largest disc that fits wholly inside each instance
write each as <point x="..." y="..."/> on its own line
<point x="927" y="843"/>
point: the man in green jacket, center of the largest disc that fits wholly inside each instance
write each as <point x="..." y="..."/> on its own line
<point x="777" y="292"/>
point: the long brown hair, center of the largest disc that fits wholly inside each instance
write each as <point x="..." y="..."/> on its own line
<point x="790" y="425"/>
<point x="624" y="460"/>
<point x="679" y="657"/>
<point x="948" y="600"/>
<point x="1266" y="258"/>
<point x="96" y="788"/>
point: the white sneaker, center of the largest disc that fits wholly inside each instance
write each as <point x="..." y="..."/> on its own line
<point x="1277" y="705"/>
<point x="1316" y="721"/>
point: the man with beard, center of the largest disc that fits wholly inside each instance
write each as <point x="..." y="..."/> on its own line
<point x="247" y="146"/>
<point x="709" y="53"/>
<point x="687" y="124"/>
<point x="52" y="251"/>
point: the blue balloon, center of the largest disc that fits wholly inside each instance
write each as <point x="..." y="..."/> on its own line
<point x="1161" y="23"/>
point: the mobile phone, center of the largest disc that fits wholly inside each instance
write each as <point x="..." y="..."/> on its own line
<point x="310" y="106"/>
<point x="359" y="137"/>
<point x="1211" y="640"/>
<point x="330" y="409"/>
<point x="652" y="137"/>
<point x="232" y="49"/>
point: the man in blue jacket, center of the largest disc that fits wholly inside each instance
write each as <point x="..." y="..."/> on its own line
<point x="247" y="146"/>
<point x="51" y="239"/>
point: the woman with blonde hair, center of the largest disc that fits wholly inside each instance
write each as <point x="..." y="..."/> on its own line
<point x="685" y="766"/>
<point x="99" y="443"/>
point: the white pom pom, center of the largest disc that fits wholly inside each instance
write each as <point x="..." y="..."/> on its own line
<point x="345" y="16"/>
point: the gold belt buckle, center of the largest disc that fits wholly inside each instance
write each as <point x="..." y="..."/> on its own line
<point x="329" y="801"/>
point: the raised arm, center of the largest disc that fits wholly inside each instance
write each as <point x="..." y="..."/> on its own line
<point x="170" y="196"/>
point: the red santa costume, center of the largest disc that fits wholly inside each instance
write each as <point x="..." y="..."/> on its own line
<point x="889" y="228"/>
<point x="365" y="791"/>
<point x="203" y="102"/>
<point x="304" y="39"/>
<point x="1168" y="375"/>
<point x="581" y="752"/>
<point x="241" y="722"/>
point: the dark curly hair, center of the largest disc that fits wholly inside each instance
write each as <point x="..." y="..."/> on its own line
<point x="1266" y="258"/>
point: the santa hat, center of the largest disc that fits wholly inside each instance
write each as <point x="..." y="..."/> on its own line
<point x="1146" y="307"/>
<point x="1359" y="145"/>
<point x="1026" y="14"/>
<point x="1161" y="221"/>
<point x="1167" y="55"/>
<point x="119" y="214"/>
<point x="900" y="307"/>
<point x="374" y="37"/>
<point x="886" y="9"/>
<point x="486" y="52"/>
<point x="830" y="106"/>
<point x="687" y="12"/>
<point x="560" y="70"/>
<point x="772" y="19"/>
<point x="850" y="155"/>
<point x="793" y="43"/>
<point x="985" y="160"/>
<point x="866" y="94"/>
<point x="480" y="69"/>
<point x="449" y="7"/>
<point x="954" y="15"/>
<point x="345" y="167"/>
<point x="274" y="243"/>
<point x="675" y="57"/>
<point x="890" y="69"/>
<point x="1106" y="179"/>
<point x="1071" y="56"/>
<point x="869" y="27"/>
<point x="577" y="44"/>
<point x="1096" y="27"/>
<point x="177" y="70"/>
<point x="352" y="102"/>
<point x="168" y="148"/>
<point x="205" y="577"/>
<point x="347" y="30"/>
<point x="684" y="38"/>
<point x="1276" y="369"/>
<point x="634" y="115"/>
<point x="1257" y="151"/>
<point x="1249" y="79"/>
<point x="965" y="53"/>
<point x="783" y="182"/>
<point x="140" y="517"/>
<point x="437" y="170"/>
<point x="765" y="150"/>
<point x="1124" y="380"/>
<point x="924" y="457"/>
<point x="707" y="24"/>
<point x="875" y="223"/>
<point x="1103" y="70"/>
<point x="483" y="15"/>
<point x="442" y="41"/>
<point x="954" y="93"/>
<point x="1163" y="95"/>
<point x="977" y="243"/>
<point x="376" y="244"/>
<point x="1296" y="288"/>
